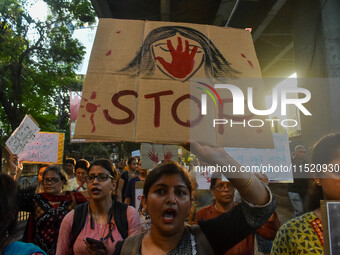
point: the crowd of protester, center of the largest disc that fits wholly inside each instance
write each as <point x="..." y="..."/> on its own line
<point x="84" y="208"/>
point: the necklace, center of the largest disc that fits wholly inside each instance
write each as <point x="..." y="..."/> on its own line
<point x="109" y="235"/>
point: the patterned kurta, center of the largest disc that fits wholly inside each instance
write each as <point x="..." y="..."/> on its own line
<point x="46" y="218"/>
<point x="301" y="235"/>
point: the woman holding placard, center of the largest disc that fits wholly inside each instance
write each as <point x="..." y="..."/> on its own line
<point x="307" y="230"/>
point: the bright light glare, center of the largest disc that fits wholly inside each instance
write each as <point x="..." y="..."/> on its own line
<point x="38" y="10"/>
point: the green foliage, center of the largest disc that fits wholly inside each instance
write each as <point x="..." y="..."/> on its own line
<point x="37" y="72"/>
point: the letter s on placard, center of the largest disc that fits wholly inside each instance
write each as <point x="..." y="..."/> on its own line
<point x="115" y="102"/>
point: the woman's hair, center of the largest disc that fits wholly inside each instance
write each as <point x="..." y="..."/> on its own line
<point x="324" y="151"/>
<point x="215" y="65"/>
<point x="58" y="170"/>
<point x="106" y="164"/>
<point x="8" y="209"/>
<point x="169" y="168"/>
<point x="70" y="161"/>
<point x="213" y="179"/>
<point x="82" y="163"/>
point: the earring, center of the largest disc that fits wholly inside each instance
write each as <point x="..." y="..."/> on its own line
<point x="145" y="213"/>
<point x="317" y="182"/>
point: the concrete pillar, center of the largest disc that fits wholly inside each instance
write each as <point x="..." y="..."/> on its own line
<point x="331" y="36"/>
<point x="316" y="36"/>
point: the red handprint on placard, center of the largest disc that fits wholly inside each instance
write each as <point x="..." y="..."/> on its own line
<point x="182" y="62"/>
<point x="153" y="157"/>
<point x="168" y="156"/>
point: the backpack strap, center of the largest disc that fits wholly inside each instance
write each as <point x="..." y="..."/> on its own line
<point x="120" y="217"/>
<point x="79" y="217"/>
<point x="132" y="244"/>
<point x="202" y="244"/>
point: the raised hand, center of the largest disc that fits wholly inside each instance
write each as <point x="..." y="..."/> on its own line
<point x="182" y="62"/>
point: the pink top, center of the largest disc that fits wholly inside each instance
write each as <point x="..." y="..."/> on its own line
<point x="100" y="231"/>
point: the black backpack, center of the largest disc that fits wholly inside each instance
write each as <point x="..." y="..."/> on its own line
<point x="80" y="213"/>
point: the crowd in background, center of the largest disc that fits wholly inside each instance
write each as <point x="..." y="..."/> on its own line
<point x="83" y="208"/>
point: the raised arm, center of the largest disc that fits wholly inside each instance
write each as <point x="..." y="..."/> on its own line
<point x="15" y="167"/>
<point x="249" y="186"/>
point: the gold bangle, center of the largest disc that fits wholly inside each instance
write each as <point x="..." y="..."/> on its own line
<point x="248" y="183"/>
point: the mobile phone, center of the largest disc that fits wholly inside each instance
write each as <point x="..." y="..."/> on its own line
<point x="98" y="244"/>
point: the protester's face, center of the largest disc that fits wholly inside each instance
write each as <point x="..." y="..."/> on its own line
<point x="52" y="183"/>
<point x="331" y="184"/>
<point x="178" y="56"/>
<point x="133" y="165"/>
<point x="223" y="191"/>
<point x="40" y="173"/>
<point x="102" y="189"/>
<point x="81" y="174"/>
<point x="168" y="204"/>
<point x="300" y="153"/>
<point x="68" y="167"/>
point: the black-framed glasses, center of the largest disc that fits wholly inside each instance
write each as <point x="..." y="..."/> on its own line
<point x="99" y="177"/>
<point x="224" y="186"/>
<point x="52" y="180"/>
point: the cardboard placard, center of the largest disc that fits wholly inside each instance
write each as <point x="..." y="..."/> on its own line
<point x="330" y="211"/>
<point x="138" y="193"/>
<point x="22" y="135"/>
<point x="278" y="158"/>
<point x="137" y="87"/>
<point x="203" y="178"/>
<point x="46" y="148"/>
<point x="75" y="97"/>
<point x="152" y="154"/>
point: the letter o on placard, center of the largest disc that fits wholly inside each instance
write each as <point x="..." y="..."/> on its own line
<point x="253" y="120"/>
<point x="175" y="105"/>
<point x="287" y="126"/>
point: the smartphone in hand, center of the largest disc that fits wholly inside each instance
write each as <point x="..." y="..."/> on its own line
<point x="93" y="242"/>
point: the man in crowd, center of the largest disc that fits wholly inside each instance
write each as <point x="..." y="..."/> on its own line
<point x="72" y="183"/>
<point x="130" y="188"/>
<point x="223" y="192"/>
<point x="125" y="177"/>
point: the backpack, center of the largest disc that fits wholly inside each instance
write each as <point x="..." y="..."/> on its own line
<point x="80" y="213"/>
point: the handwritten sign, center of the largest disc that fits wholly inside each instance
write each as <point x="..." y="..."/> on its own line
<point x="21" y="136"/>
<point x="138" y="89"/>
<point x="203" y="178"/>
<point x="277" y="159"/>
<point x="138" y="193"/>
<point x="47" y="147"/>
<point x="152" y="154"/>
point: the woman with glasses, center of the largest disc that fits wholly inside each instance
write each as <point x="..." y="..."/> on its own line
<point x="223" y="193"/>
<point x="99" y="225"/>
<point x="167" y="197"/>
<point x="48" y="208"/>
